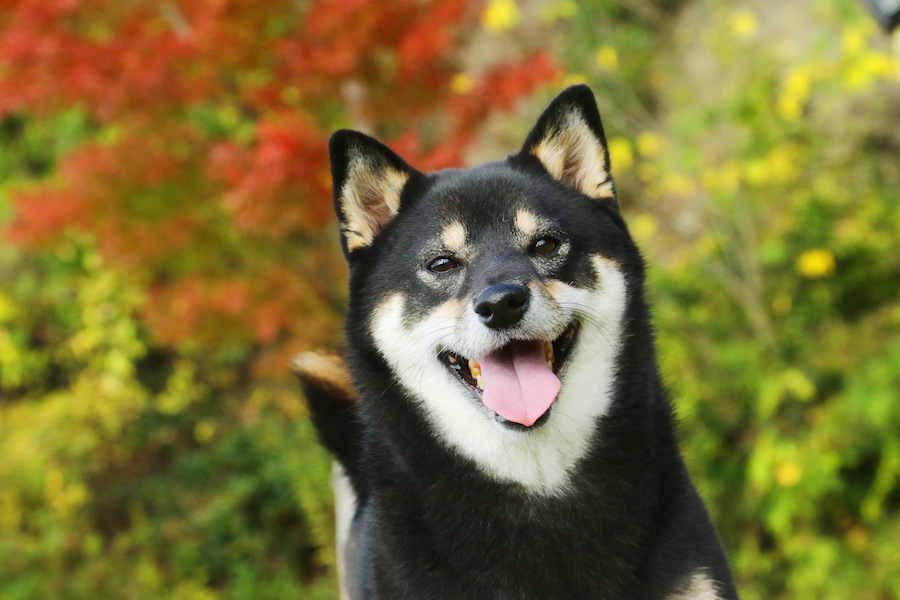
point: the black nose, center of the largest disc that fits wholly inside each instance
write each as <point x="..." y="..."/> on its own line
<point x="502" y="305"/>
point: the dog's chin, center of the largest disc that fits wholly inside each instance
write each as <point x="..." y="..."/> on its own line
<point x="468" y="373"/>
<point x="513" y="426"/>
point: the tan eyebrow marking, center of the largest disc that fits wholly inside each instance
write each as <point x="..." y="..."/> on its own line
<point x="453" y="236"/>
<point x="527" y="222"/>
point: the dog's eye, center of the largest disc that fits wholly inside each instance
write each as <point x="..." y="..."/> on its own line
<point x="544" y="246"/>
<point x="442" y="264"/>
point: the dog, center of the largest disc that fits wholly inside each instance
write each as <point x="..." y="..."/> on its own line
<point x="500" y="418"/>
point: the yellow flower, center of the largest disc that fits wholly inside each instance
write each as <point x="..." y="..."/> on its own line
<point x="816" y="263"/>
<point x="607" y="58"/>
<point x="462" y="83"/>
<point x="756" y="171"/>
<point x="743" y="24"/>
<point x="794" y="94"/>
<point x="500" y="15"/>
<point x="788" y="473"/>
<point x="642" y="227"/>
<point x="677" y="184"/>
<point x="797" y="84"/>
<point x="620" y="154"/>
<point x="789" y="108"/>
<point x="782" y="163"/>
<point x="877" y="63"/>
<point x="856" y="79"/>
<point x="853" y="41"/>
<point x="649" y="143"/>
<point x="865" y="69"/>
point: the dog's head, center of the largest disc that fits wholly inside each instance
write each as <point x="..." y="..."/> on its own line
<point x="495" y="295"/>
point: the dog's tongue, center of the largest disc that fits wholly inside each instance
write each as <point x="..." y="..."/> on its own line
<point x="518" y="384"/>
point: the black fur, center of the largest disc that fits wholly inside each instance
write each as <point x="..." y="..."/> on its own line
<point x="429" y="525"/>
<point x="336" y="419"/>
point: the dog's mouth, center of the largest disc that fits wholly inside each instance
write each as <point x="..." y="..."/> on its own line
<point x="518" y="382"/>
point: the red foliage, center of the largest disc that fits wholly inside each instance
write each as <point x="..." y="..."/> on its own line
<point x="212" y="180"/>
<point x="264" y="181"/>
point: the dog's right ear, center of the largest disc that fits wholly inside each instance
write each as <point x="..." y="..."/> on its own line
<point x="368" y="179"/>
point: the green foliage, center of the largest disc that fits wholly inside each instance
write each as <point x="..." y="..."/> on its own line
<point x="131" y="474"/>
<point x="130" y="470"/>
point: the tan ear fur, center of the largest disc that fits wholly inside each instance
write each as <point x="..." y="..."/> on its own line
<point x="369" y="198"/>
<point x="573" y="154"/>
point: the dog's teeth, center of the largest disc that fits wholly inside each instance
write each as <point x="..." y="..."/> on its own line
<point x="548" y="353"/>
<point x="475" y="370"/>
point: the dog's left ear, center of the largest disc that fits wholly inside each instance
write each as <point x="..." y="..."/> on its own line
<point x="368" y="179"/>
<point x="569" y="142"/>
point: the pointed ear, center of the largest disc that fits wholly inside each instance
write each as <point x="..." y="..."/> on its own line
<point x="368" y="179"/>
<point x="569" y="142"/>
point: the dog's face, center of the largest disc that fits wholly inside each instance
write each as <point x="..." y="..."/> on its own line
<point x="496" y="295"/>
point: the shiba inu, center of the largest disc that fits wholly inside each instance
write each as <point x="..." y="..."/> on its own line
<point x="501" y="419"/>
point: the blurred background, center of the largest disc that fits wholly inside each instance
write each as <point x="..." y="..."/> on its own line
<point x="168" y="243"/>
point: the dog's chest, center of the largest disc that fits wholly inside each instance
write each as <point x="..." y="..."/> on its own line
<point x="493" y="547"/>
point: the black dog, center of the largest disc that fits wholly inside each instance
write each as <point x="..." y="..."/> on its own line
<point x="512" y="438"/>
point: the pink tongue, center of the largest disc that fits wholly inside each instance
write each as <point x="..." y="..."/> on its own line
<point x="518" y="384"/>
